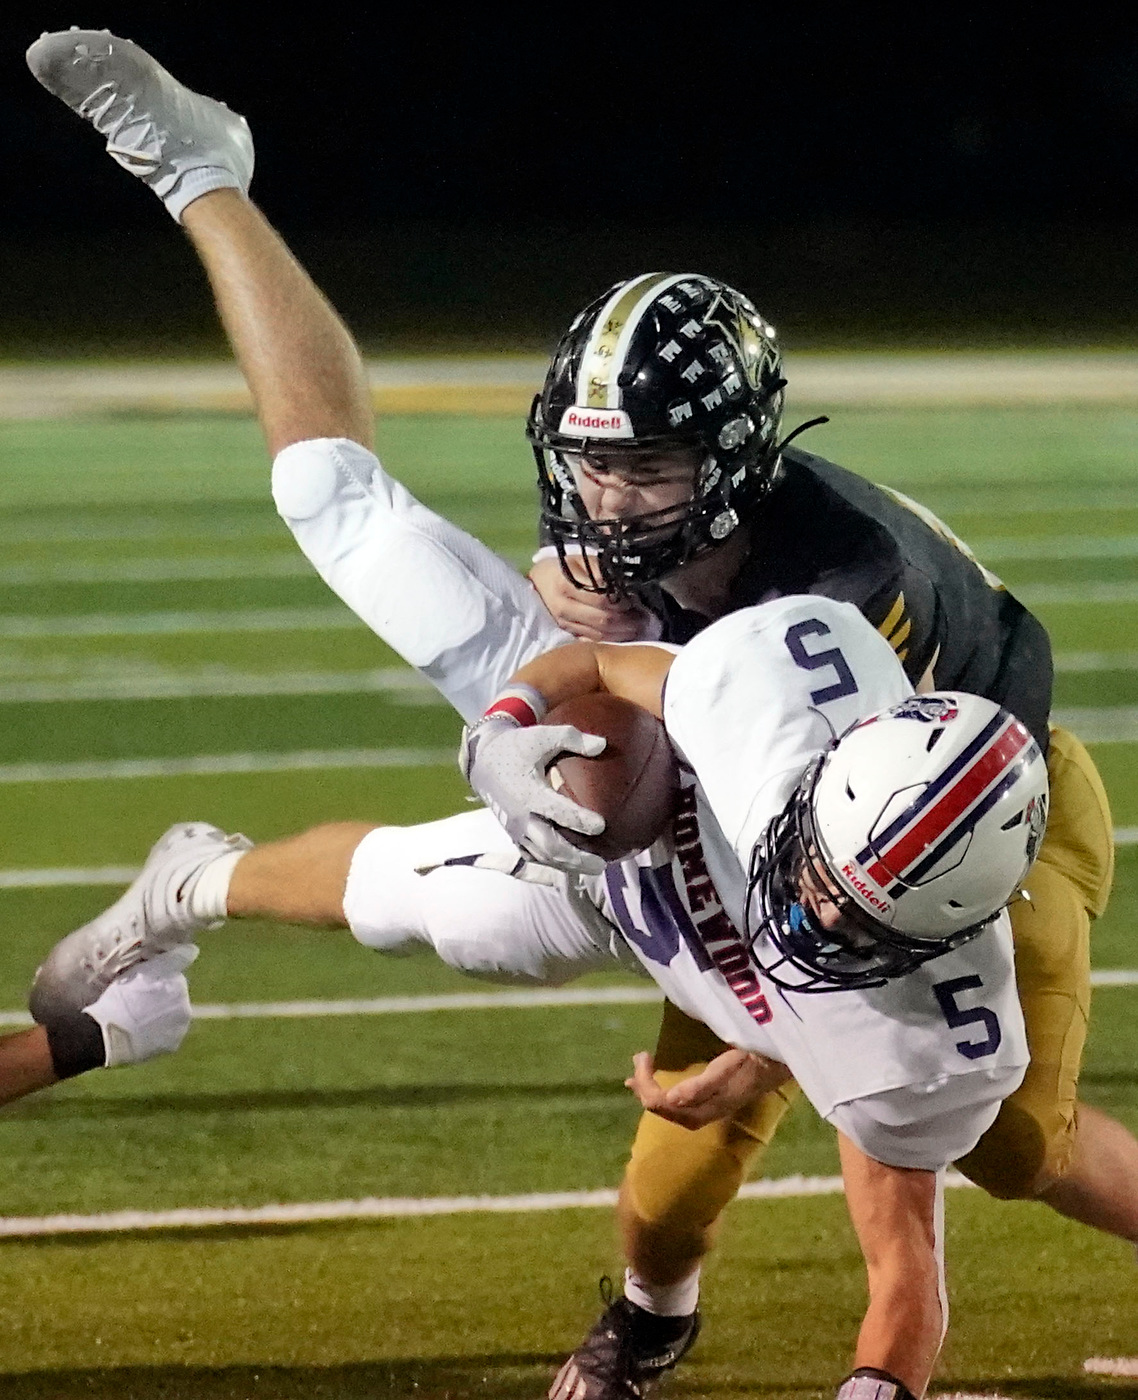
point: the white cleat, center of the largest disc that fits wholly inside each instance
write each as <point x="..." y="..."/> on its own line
<point x="153" y="916"/>
<point x="179" y="143"/>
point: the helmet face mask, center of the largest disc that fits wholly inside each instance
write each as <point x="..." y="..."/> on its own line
<point x="802" y="954"/>
<point x="989" y="785"/>
<point x="659" y="365"/>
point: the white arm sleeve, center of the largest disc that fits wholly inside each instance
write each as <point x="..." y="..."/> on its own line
<point x="926" y="1126"/>
<point x="443" y="601"/>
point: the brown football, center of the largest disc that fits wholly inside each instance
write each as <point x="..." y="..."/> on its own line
<point x="633" y="784"/>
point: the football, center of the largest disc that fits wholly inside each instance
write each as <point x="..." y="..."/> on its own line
<point x="634" y="784"/>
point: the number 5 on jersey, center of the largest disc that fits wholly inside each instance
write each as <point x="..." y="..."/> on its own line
<point x="831" y="659"/>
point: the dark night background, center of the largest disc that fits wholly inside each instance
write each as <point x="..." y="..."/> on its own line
<point x="467" y="177"/>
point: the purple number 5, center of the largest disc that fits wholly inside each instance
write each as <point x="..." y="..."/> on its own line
<point x="844" y="683"/>
<point x="946" y="994"/>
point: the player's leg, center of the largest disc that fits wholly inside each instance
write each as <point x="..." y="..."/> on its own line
<point x="300" y="361"/>
<point x="298" y="880"/>
<point x="438" y="597"/>
<point x="1100" y="1187"/>
<point x="1044" y="1145"/>
<point x="298" y="358"/>
<point x="675" y="1187"/>
<point x="678" y="1182"/>
<point x="457" y="886"/>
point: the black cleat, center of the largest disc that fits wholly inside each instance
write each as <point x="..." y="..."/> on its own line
<point x="626" y="1354"/>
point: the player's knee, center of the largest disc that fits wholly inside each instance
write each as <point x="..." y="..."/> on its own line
<point x="1019" y="1156"/>
<point x="683" y="1180"/>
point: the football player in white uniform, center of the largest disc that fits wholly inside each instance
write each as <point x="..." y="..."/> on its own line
<point x="367" y="537"/>
<point x="869" y="870"/>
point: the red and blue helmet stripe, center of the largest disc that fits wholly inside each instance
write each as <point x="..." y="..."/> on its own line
<point x="950" y="806"/>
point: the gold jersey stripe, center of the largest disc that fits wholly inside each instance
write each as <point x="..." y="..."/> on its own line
<point x="901" y="636"/>
<point x="894" y="616"/>
<point x="601" y="361"/>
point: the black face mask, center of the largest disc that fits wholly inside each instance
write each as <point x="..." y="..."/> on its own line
<point x="788" y="945"/>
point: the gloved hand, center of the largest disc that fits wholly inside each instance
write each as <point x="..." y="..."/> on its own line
<point x="507" y="766"/>
<point x="146" y="1010"/>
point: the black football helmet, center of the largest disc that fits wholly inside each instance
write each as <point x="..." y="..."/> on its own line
<point x="660" y="362"/>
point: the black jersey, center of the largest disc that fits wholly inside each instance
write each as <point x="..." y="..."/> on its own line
<point x="827" y="530"/>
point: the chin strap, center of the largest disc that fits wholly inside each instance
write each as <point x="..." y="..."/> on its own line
<point x="869" y="1383"/>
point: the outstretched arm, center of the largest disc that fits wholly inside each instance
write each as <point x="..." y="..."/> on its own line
<point x="25" y="1064"/>
<point x="895" y="1214"/>
<point x="507" y="754"/>
<point x="634" y="672"/>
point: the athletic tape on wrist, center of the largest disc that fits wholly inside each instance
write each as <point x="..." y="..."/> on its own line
<point x="869" y="1383"/>
<point x="75" y="1041"/>
<point x="521" y="703"/>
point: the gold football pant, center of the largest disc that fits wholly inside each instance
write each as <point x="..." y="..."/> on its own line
<point x="677" y="1182"/>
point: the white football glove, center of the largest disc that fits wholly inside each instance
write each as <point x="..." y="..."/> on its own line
<point x="146" y="1011"/>
<point x="507" y="765"/>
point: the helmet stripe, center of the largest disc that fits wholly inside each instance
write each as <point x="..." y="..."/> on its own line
<point x="944" y="779"/>
<point x="961" y="829"/>
<point x="603" y="357"/>
<point x="911" y="845"/>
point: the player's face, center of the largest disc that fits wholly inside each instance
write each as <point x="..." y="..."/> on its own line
<point x="823" y="903"/>
<point x="620" y="485"/>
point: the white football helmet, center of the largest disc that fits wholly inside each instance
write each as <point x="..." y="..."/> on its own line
<point x="903" y="840"/>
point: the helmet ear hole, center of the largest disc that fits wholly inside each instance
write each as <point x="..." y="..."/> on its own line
<point x="1012" y="822"/>
<point x="850" y="793"/>
<point x="934" y="738"/>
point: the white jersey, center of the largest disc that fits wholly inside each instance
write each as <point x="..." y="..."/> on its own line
<point x="914" y="1070"/>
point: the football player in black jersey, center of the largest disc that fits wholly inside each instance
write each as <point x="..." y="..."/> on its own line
<point x="668" y="499"/>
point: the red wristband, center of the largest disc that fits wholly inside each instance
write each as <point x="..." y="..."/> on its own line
<point x="521" y="703"/>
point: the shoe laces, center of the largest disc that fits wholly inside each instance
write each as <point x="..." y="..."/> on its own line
<point x="133" y="137"/>
<point x="117" y="951"/>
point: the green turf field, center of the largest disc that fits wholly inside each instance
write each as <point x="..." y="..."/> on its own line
<point x="153" y="608"/>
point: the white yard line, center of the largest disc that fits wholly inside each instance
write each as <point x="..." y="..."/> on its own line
<point x="821" y="379"/>
<point x="220" y="683"/>
<point x="988" y="498"/>
<point x="82" y="529"/>
<point x="15" y="626"/>
<point x="1110" y="1366"/>
<point x="999" y="548"/>
<point x="63" y="876"/>
<point x="1060" y="594"/>
<point x="180" y="569"/>
<point x="1074" y="662"/>
<point x="307" y="760"/>
<point x="79" y="876"/>
<point x="384" y="1208"/>
<point x="160" y="570"/>
<point x="1114" y="724"/>
<point x="512" y="1000"/>
<point x="214" y="685"/>
<point x="31" y="626"/>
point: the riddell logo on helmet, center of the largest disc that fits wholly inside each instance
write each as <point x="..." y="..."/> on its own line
<point x="595" y="422"/>
<point x="858" y="880"/>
